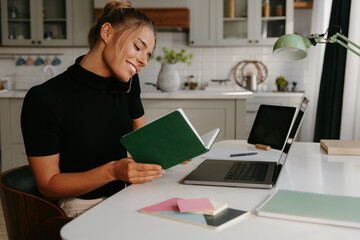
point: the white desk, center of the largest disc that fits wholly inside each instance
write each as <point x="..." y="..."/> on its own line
<point x="307" y="169"/>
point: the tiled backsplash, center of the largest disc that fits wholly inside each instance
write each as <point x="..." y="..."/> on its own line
<point x="208" y="63"/>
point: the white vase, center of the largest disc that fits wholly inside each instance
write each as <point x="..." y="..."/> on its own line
<point x="169" y="78"/>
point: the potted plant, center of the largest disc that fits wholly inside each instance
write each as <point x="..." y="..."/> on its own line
<point x="281" y="84"/>
<point x="169" y="78"/>
<point x="191" y="83"/>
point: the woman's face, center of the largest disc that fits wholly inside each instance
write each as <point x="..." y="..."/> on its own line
<point x="127" y="54"/>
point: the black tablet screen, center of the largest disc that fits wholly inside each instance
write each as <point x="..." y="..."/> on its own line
<point x="271" y="125"/>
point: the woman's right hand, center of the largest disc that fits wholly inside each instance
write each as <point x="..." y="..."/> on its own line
<point x="130" y="171"/>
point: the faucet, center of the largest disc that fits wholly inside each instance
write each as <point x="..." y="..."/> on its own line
<point x="52" y="69"/>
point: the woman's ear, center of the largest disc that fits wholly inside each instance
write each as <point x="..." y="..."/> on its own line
<point x="106" y="32"/>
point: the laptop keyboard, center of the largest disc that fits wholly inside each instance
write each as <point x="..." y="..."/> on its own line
<point x="247" y="171"/>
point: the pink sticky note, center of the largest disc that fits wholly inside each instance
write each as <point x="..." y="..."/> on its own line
<point x="194" y="204"/>
<point x="168" y="205"/>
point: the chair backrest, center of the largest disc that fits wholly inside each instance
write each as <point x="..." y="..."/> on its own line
<point x="21" y="179"/>
<point x="26" y="212"/>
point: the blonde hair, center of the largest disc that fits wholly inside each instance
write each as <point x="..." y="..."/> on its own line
<point x="121" y="15"/>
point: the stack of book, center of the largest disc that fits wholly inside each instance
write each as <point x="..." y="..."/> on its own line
<point x="199" y="211"/>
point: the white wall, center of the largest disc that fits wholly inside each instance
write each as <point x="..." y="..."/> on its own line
<point x="208" y="63"/>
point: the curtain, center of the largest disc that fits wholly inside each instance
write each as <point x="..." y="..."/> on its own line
<point x="350" y="119"/>
<point x="328" y="115"/>
<point x="319" y="23"/>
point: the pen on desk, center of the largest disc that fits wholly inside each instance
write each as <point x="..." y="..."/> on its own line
<point x="242" y="154"/>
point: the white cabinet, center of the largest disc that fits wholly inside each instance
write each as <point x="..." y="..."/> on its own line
<point x="204" y="114"/>
<point x="212" y="23"/>
<point x="46" y="23"/>
<point x="202" y="23"/>
<point x="12" y="146"/>
<point x="233" y="116"/>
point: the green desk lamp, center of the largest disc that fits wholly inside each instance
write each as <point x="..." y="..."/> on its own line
<point x="294" y="47"/>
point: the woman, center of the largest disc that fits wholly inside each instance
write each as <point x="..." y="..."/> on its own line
<point x="72" y="124"/>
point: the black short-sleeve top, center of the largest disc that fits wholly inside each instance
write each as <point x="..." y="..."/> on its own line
<point x="81" y="116"/>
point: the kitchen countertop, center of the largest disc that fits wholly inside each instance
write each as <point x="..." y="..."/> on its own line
<point x="161" y="95"/>
<point x="12" y="94"/>
<point x="201" y="94"/>
<point x="197" y="94"/>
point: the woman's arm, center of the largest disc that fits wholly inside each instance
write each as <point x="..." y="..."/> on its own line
<point x="55" y="185"/>
<point x="139" y="122"/>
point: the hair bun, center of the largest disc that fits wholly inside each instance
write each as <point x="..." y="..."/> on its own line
<point x="117" y="4"/>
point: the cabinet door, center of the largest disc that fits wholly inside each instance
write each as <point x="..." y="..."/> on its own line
<point x="203" y="23"/>
<point x="15" y="115"/>
<point x="83" y="19"/>
<point x="205" y="115"/>
<point x="234" y="22"/>
<point x="19" y="157"/>
<point x="54" y="22"/>
<point x="18" y="19"/>
<point x="275" y="23"/>
<point x="36" y="22"/>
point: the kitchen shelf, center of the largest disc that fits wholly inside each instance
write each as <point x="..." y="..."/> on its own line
<point x="235" y="19"/>
<point x="19" y="20"/>
<point x="12" y="55"/>
<point x="55" y="20"/>
<point x="273" y="18"/>
<point x="303" y="5"/>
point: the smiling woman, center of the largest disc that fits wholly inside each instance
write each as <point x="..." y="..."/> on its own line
<point x="72" y="124"/>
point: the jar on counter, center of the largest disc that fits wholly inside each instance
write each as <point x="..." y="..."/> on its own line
<point x="6" y="83"/>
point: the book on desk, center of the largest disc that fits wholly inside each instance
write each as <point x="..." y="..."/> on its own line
<point x="218" y="218"/>
<point x="312" y="207"/>
<point x="168" y="141"/>
<point x="340" y="147"/>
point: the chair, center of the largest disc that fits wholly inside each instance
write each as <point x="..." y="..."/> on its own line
<point x="27" y="214"/>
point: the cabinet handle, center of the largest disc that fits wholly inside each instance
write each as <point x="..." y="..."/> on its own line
<point x="250" y="41"/>
<point x="257" y="41"/>
<point x="33" y="42"/>
<point x="39" y="42"/>
<point x="192" y="42"/>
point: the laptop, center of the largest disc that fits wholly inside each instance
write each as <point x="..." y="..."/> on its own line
<point x="251" y="174"/>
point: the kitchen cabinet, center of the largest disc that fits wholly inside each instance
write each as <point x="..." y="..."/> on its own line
<point x="165" y="13"/>
<point x="46" y="23"/>
<point x="204" y="114"/>
<point x="239" y="22"/>
<point x="234" y="115"/>
<point x="202" y="23"/>
<point x="12" y="146"/>
<point x="206" y="111"/>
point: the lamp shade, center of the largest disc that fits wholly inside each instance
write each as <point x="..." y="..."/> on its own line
<point x="290" y="47"/>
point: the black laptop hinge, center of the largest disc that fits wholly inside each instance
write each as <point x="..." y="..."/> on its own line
<point x="276" y="173"/>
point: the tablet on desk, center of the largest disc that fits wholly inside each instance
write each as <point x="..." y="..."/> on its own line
<point x="271" y="125"/>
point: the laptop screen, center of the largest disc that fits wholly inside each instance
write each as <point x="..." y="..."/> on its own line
<point x="271" y="125"/>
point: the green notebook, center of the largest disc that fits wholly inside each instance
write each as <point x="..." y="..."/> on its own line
<point x="168" y="141"/>
<point x="313" y="207"/>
